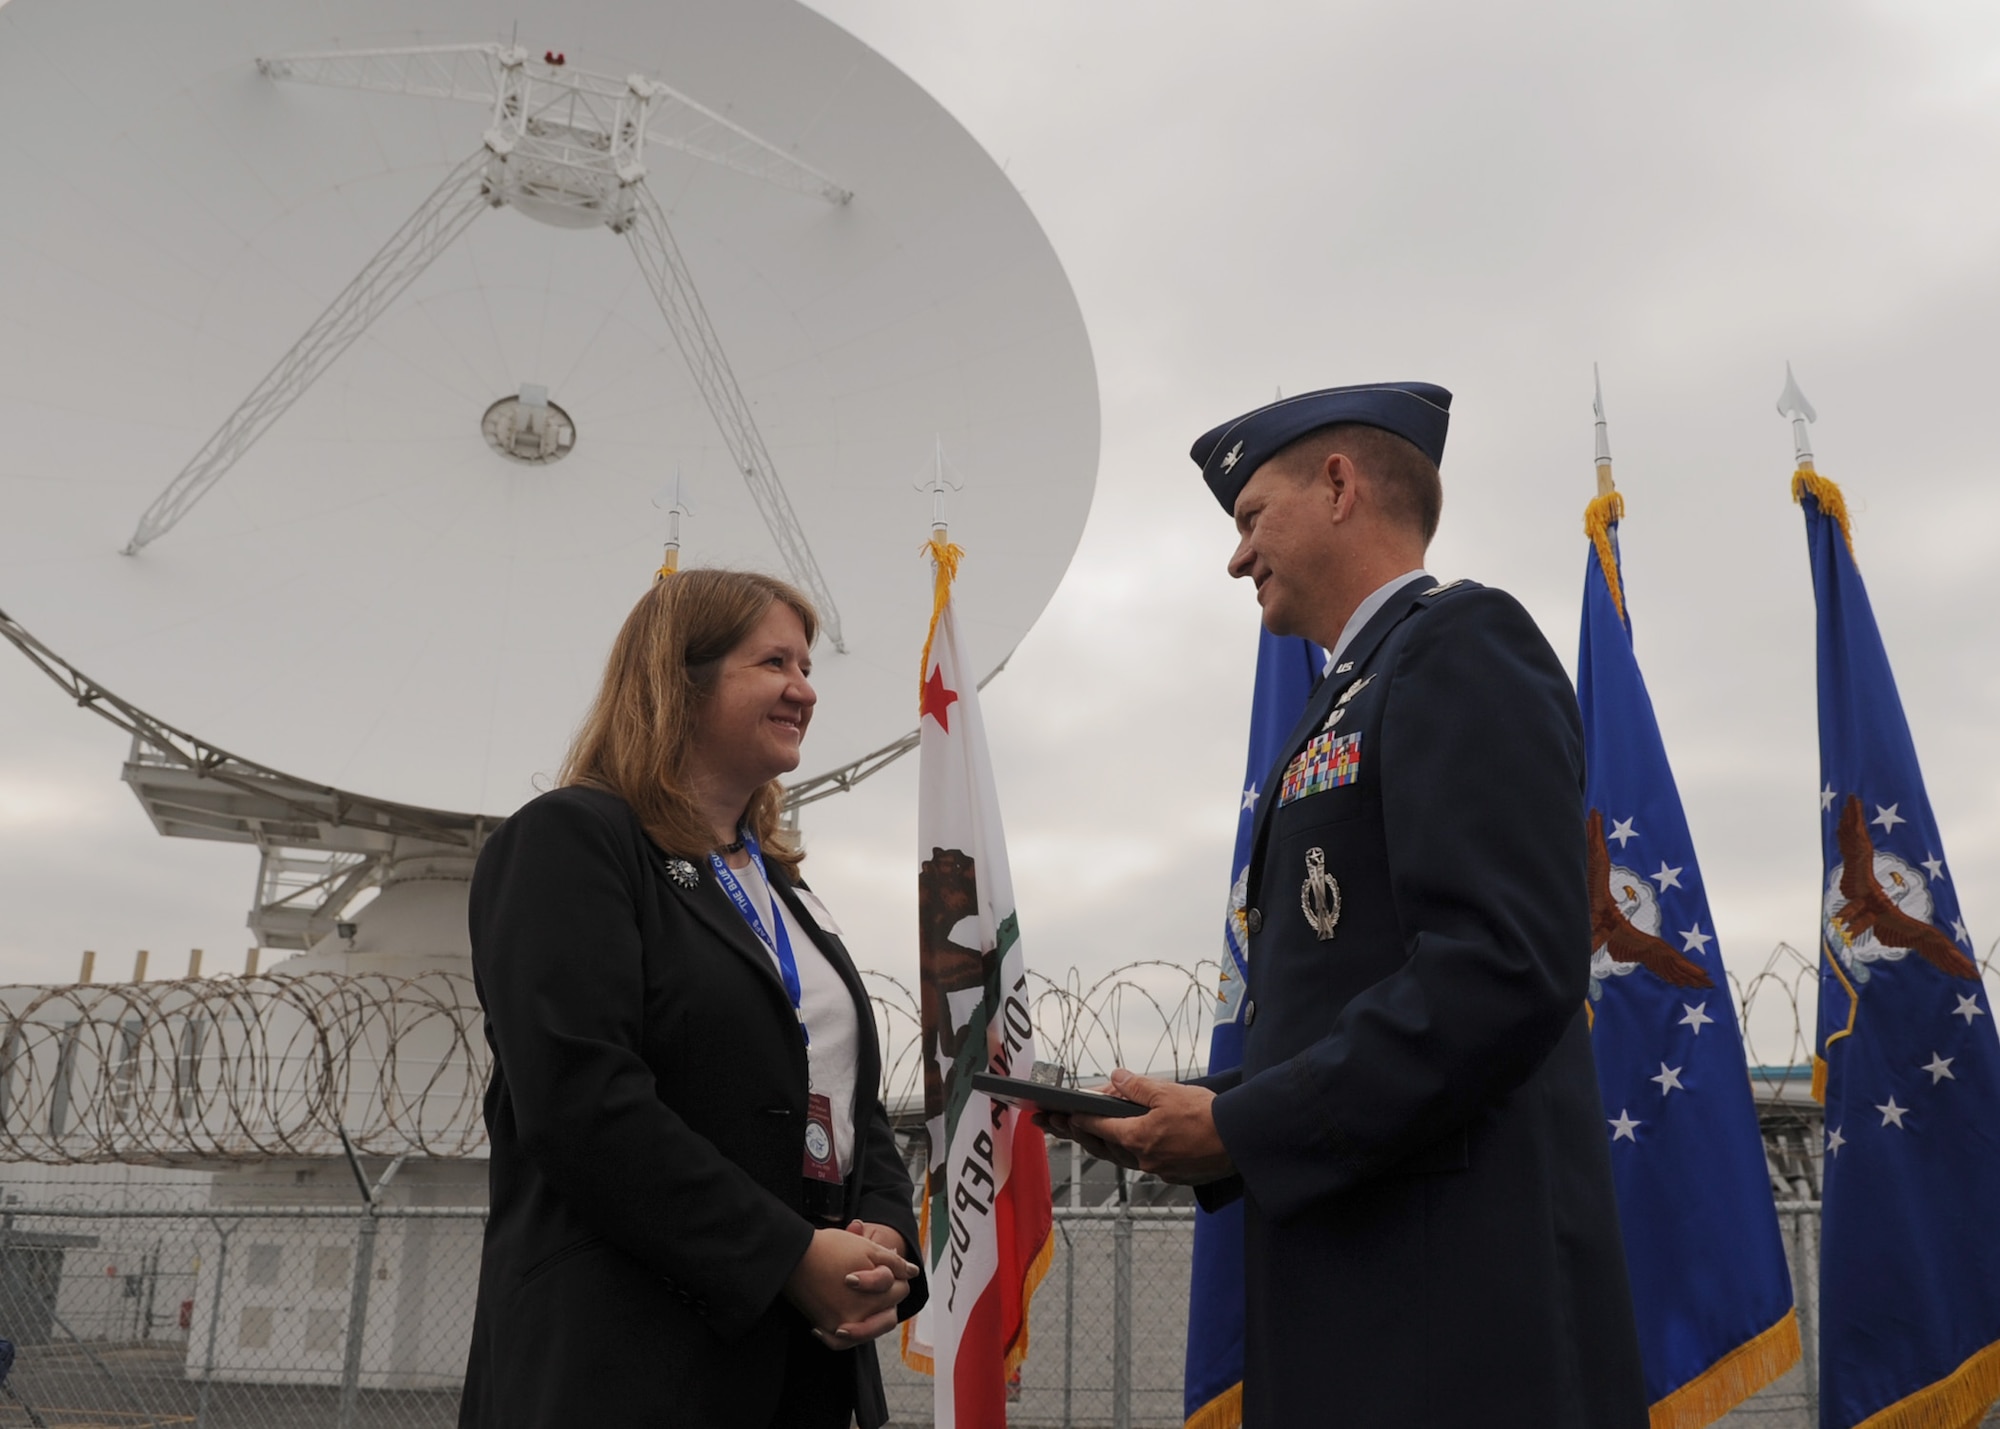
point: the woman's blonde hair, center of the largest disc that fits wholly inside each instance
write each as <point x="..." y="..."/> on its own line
<point x="636" y="739"/>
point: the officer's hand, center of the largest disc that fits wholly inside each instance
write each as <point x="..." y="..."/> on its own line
<point x="1176" y="1139"/>
<point x="1056" y="1124"/>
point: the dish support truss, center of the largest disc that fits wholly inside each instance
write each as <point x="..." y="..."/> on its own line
<point x="318" y="847"/>
<point x="564" y="146"/>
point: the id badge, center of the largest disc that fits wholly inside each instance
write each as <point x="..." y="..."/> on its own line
<point x="823" y="1189"/>
<point x="822" y="1160"/>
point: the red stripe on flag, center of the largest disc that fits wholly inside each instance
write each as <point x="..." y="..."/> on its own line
<point x="1023" y="1223"/>
<point x="994" y="1339"/>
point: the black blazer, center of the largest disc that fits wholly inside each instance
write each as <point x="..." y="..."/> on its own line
<point x="647" y="1126"/>
<point x="1431" y="1231"/>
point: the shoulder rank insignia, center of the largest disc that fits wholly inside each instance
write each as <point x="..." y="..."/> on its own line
<point x="682" y="873"/>
<point x="1319" y="896"/>
<point x="1441" y="589"/>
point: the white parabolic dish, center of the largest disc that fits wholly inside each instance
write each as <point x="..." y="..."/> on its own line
<point x="374" y="598"/>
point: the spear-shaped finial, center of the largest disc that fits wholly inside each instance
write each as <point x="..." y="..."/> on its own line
<point x="1792" y="403"/>
<point x="675" y="509"/>
<point x="1604" y="483"/>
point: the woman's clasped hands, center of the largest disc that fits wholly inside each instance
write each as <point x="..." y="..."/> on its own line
<point x="849" y="1283"/>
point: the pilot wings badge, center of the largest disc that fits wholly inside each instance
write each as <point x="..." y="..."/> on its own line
<point x="1319" y="897"/>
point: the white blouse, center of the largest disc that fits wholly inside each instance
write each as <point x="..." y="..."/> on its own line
<point x="830" y="1017"/>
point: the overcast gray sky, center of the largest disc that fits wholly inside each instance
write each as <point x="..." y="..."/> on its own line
<point x="1289" y="195"/>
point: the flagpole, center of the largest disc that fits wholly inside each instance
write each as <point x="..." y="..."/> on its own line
<point x="1607" y="508"/>
<point x="1605" y="486"/>
<point x="1792" y="403"/>
<point x="1806" y="479"/>
<point x="670" y="560"/>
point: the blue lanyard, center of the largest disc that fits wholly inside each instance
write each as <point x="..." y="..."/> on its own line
<point x="780" y="946"/>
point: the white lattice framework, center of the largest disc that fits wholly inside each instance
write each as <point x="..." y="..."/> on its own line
<point x="565" y="146"/>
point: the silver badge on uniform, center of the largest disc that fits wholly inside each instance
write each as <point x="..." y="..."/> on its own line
<point x="682" y="872"/>
<point x="1320" y="896"/>
<point x="1354" y="689"/>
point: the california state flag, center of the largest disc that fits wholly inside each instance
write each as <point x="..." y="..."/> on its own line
<point x="986" y="1215"/>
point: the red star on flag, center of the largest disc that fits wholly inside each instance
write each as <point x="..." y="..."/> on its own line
<point x="937" y="699"/>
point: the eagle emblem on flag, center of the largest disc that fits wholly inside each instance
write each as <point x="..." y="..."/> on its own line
<point x="1625" y="923"/>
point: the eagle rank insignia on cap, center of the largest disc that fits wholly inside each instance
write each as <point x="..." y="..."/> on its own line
<point x="682" y="873"/>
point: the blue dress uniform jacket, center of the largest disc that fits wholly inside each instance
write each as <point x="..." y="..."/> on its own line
<point x="1432" y="1234"/>
<point x="647" y="1117"/>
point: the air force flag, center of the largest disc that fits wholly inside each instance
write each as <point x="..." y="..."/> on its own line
<point x="1907" y="1066"/>
<point x="1286" y="667"/>
<point x="1709" y="1284"/>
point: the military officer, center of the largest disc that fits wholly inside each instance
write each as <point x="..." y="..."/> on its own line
<point x="1431" y="1234"/>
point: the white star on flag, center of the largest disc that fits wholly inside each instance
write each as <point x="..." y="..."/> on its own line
<point x="1666" y="877"/>
<point x="1834" y="1141"/>
<point x="1695" y="941"/>
<point x="1249" y="798"/>
<point x="1697" y="1016"/>
<point x="1893" y="1113"/>
<point x="1934" y="866"/>
<point x="1959" y="932"/>
<point x="1622" y="1126"/>
<point x="1669" y="1079"/>
<point x="1939" y="1068"/>
<point x="1888" y="818"/>
<point x="1968" y="1008"/>
<point x="1621" y="829"/>
<point x="1826" y="798"/>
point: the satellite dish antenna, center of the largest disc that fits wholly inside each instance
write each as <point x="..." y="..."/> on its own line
<point x="345" y="360"/>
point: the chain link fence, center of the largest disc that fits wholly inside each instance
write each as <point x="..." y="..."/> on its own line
<point x="333" y="1318"/>
<point x="217" y="1298"/>
<point x="313" y="1317"/>
<point x="328" y="1318"/>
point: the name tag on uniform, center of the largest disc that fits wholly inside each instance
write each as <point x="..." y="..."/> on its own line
<point x="1328" y="762"/>
<point x="818" y="911"/>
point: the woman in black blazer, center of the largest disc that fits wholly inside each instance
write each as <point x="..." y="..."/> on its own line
<point x="699" y="1216"/>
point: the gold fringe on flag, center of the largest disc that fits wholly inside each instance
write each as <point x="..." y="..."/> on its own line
<point x="1038" y="1269"/>
<point x="1599" y="517"/>
<point x="1732" y="1379"/>
<point x="1030" y="1283"/>
<point x="944" y="558"/>
<point x="917" y="1359"/>
<point x="1958" y="1401"/>
<point x="1225" y="1411"/>
<point x="1807" y="482"/>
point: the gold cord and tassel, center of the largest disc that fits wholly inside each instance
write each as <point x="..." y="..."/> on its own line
<point x="1807" y="482"/>
<point x="1599" y="517"/>
<point x="944" y="559"/>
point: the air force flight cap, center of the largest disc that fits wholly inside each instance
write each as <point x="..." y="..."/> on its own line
<point x="1231" y="453"/>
